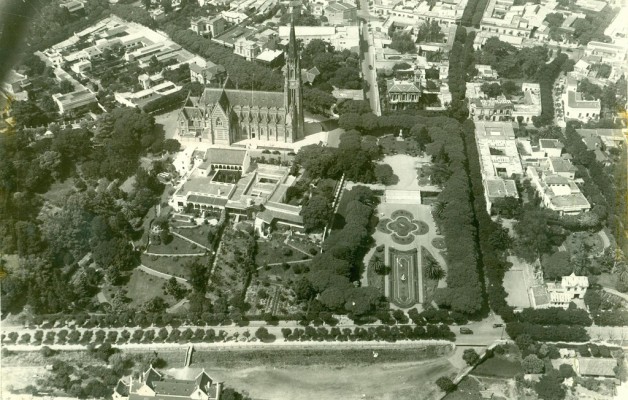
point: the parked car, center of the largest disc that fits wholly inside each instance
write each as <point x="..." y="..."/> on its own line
<point x="497" y="325"/>
<point x="466" y="331"/>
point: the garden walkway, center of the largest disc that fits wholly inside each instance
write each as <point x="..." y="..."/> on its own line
<point x="174" y="255"/>
<point x="163" y="275"/>
<point x="189" y="240"/>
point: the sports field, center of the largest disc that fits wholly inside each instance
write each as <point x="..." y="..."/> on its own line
<point x="404" y="277"/>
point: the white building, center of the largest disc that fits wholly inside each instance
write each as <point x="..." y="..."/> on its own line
<point x="341" y="37"/>
<point x="499" y="160"/>
<point x="73" y="100"/>
<point x="554" y="181"/>
<point x="570" y="288"/>
<point x="576" y="107"/>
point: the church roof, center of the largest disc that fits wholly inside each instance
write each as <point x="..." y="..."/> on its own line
<point x="244" y="97"/>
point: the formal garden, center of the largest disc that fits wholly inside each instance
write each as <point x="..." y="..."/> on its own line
<point x="391" y="145"/>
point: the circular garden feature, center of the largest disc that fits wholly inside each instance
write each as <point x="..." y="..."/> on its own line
<point x="438" y="243"/>
<point x="402" y="227"/>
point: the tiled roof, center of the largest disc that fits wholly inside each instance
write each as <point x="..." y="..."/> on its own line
<point x="339" y="7"/>
<point x="175" y="388"/>
<point x="226" y="156"/>
<point x="243" y="98"/>
<point x="562" y="165"/>
<point x="597" y="366"/>
<point x="575" y="101"/>
<point x="402" y="87"/>
<point x="550" y="144"/>
<point x="207" y="200"/>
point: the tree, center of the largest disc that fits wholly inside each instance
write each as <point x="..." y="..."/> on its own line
<point x="532" y="364"/>
<point x="550" y="387"/>
<point x="557" y="265"/>
<point x="430" y="32"/>
<point x="445" y="384"/>
<point x="433" y="269"/>
<point x="403" y="43"/>
<point x="316" y="213"/>
<point x="262" y="333"/>
<point x="172" y="145"/>
<point x="470" y="356"/>
<point x="66" y="86"/>
<point x="384" y="174"/>
<point x="47" y="351"/>
<point x="492" y="90"/>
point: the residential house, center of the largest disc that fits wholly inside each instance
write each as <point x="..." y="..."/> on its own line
<point x="154" y="385"/>
<point x="15" y="84"/>
<point x="207" y="73"/>
<point x="498" y="189"/>
<point x="500" y="109"/>
<point x="249" y="49"/>
<point x="208" y="26"/>
<point x="530" y="105"/>
<point x="341" y="37"/>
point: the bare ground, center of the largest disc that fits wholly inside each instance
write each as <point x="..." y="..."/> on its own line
<point x="391" y="381"/>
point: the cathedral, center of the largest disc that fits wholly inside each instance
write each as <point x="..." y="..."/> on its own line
<point x="225" y="116"/>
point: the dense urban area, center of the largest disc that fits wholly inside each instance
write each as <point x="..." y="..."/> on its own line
<point x="273" y="199"/>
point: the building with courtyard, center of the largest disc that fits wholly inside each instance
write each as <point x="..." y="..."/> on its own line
<point x="576" y="107"/>
<point x="499" y="159"/>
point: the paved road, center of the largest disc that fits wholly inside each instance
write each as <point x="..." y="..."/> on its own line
<point x="370" y="75"/>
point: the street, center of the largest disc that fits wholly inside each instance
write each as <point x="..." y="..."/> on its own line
<point x="368" y="64"/>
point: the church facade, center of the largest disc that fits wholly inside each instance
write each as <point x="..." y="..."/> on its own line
<point x="225" y="116"/>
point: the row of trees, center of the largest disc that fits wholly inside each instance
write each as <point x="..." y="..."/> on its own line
<point x="555" y="316"/>
<point x="546" y="76"/>
<point x="473" y="13"/>
<point x="549" y="333"/>
<point x="461" y="68"/>
<point x="383" y="332"/>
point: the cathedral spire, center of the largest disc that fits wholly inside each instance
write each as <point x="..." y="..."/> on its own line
<point x="292" y="44"/>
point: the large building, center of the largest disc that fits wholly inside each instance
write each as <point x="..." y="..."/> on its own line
<point x="341" y="37"/>
<point x="153" y="385"/>
<point x="225" y="116"/>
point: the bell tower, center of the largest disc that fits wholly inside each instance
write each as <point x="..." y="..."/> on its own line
<point x="293" y="87"/>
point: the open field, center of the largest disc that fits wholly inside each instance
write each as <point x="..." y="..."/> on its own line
<point x="282" y="375"/>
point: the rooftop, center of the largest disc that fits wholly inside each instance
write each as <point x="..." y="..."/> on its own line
<point x="339" y="7"/>
<point x="501" y="188"/>
<point x="226" y="156"/>
<point x="596" y="366"/>
<point x="574" y="100"/>
<point x="560" y="164"/>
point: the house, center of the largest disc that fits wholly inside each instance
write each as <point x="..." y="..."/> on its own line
<point x="491" y="109"/>
<point x="595" y="367"/>
<point x="572" y="287"/>
<point x="553" y="181"/>
<point x="402" y="94"/>
<point x="341" y="13"/>
<point x="271" y="58"/>
<point x="249" y="49"/>
<point x="73" y="6"/>
<point x="551" y="148"/>
<point x="207" y="26"/>
<point x="575" y="106"/>
<point x="73" y="100"/>
<point x="154" y="385"/>
<point x="206" y="72"/>
<point x="530" y="106"/>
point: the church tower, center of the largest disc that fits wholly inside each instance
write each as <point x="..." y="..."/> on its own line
<point x="293" y="88"/>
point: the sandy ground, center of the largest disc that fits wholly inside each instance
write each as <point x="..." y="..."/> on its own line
<point x="398" y="381"/>
<point x="17" y="378"/>
<point x="405" y="167"/>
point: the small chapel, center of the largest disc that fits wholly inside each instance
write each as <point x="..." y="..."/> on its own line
<point x="224" y="116"/>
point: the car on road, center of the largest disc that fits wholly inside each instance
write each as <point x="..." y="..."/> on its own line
<point x="497" y="325"/>
<point x="466" y="331"/>
<point x="371" y="67"/>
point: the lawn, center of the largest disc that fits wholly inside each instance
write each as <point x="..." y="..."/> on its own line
<point x="198" y="234"/>
<point x="500" y="367"/>
<point x="58" y="192"/>
<point x="143" y="287"/>
<point x="171" y="265"/>
<point x="274" y="250"/>
<point x="176" y="246"/>
<point x="608" y="280"/>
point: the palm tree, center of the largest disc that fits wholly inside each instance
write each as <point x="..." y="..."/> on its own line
<point x="439" y="208"/>
<point x="433" y="269"/>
